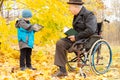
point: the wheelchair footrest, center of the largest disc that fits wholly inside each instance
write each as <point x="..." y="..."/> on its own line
<point x="82" y="73"/>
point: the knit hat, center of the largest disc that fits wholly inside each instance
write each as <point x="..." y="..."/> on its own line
<point x="26" y="14"/>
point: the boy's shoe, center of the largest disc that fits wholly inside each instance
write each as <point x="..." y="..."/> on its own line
<point x="22" y="68"/>
<point x="60" y="74"/>
<point x="32" y="68"/>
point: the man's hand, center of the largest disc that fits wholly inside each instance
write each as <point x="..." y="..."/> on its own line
<point x="72" y="38"/>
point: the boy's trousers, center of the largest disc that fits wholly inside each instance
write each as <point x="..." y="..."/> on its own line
<point x="25" y="57"/>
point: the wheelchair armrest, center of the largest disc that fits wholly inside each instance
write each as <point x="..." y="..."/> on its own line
<point x="77" y="45"/>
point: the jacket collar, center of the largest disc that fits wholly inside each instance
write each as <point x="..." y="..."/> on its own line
<point x="82" y="11"/>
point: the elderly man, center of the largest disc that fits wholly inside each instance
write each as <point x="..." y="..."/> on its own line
<point x="84" y="23"/>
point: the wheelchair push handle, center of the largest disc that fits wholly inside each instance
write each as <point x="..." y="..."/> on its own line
<point x="106" y="20"/>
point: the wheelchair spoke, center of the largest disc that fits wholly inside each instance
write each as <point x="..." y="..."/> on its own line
<point x="98" y="59"/>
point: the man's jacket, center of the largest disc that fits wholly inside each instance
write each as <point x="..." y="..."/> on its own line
<point x="85" y="24"/>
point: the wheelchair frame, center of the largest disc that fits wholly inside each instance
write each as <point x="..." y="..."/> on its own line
<point x="83" y="56"/>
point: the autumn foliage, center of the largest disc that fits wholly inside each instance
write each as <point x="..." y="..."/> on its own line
<point x="54" y="16"/>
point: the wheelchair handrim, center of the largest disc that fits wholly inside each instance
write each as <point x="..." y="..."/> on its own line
<point x="95" y="46"/>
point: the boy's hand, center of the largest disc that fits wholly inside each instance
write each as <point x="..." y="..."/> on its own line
<point x="72" y="38"/>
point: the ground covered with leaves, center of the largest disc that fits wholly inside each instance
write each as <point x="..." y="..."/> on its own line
<point x="43" y="60"/>
<point x="54" y="17"/>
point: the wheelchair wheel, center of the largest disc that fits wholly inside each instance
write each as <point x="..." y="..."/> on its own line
<point x="100" y="57"/>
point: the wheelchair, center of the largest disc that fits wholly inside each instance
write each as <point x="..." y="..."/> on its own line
<point x="94" y="52"/>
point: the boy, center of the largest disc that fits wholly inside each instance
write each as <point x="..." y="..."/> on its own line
<point x="26" y="39"/>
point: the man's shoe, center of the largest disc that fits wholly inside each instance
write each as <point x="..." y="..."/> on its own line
<point x="32" y="68"/>
<point x="22" y="68"/>
<point x="60" y="74"/>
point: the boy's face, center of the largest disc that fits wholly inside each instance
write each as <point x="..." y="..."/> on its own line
<point x="27" y="19"/>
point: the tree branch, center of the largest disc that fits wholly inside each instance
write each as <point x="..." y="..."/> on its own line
<point x="1" y="2"/>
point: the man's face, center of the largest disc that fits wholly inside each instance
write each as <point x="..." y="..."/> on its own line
<point x="74" y="9"/>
